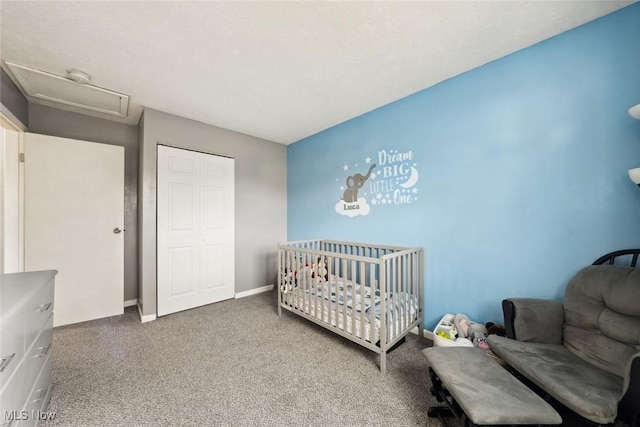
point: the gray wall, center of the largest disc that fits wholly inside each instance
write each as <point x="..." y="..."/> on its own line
<point x="54" y="122"/>
<point x="12" y="98"/>
<point x="260" y="196"/>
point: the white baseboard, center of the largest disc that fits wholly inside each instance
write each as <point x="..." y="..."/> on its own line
<point x="145" y="319"/>
<point x="426" y="333"/>
<point x="254" y="291"/>
<point x="131" y="302"/>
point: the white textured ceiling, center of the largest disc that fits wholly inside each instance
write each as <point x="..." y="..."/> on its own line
<point x="276" y="70"/>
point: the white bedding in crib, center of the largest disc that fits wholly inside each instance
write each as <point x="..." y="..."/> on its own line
<point x="359" y="300"/>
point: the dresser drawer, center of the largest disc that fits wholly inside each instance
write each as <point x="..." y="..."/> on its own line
<point x="12" y="398"/>
<point x="11" y="347"/>
<point x="37" y="311"/>
<point x="39" y="396"/>
<point x="39" y="352"/>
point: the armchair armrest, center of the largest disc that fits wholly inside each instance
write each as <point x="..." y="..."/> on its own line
<point x="533" y="320"/>
<point x="628" y="410"/>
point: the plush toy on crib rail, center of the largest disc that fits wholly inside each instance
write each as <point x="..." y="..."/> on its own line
<point x="286" y="280"/>
<point x="321" y="271"/>
<point x="314" y="274"/>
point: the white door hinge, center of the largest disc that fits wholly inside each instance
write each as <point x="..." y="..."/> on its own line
<point x="21" y="157"/>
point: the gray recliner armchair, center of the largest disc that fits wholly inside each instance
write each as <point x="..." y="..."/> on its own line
<point x="584" y="351"/>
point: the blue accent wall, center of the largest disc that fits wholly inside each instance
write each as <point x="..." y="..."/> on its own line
<point x="522" y="167"/>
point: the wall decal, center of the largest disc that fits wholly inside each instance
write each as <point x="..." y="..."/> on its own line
<point x="392" y="183"/>
<point x="354" y="183"/>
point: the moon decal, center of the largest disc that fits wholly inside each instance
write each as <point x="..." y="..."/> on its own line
<point x="413" y="178"/>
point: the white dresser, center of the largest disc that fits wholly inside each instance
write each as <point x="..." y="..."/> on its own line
<point x="26" y="334"/>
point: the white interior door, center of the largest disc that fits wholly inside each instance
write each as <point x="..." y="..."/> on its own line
<point x="74" y="213"/>
<point x="195" y="229"/>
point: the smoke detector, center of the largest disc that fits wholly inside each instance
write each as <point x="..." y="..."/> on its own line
<point x="79" y="76"/>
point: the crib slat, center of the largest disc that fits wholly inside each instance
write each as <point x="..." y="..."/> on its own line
<point x="296" y="280"/>
<point x="410" y="291"/>
<point x="306" y="266"/>
<point x="414" y="286"/>
<point x="401" y="294"/>
<point x="336" y="293"/>
<point x="393" y="321"/>
<point x="412" y="280"/>
<point x="397" y="320"/>
<point x="398" y="299"/>
<point x="302" y="288"/>
<point x="344" y="271"/>
<point x="363" y="283"/>
<point x="383" y="308"/>
<point x="416" y="289"/>
<point x="301" y="282"/>
<point x="372" y="310"/>
<point x="389" y="305"/>
<point x="296" y="289"/>
<point x="321" y="292"/>
<point x="353" y="298"/>
<point x="300" y="274"/>
<point x="334" y="285"/>
<point x="279" y="282"/>
<point x="405" y="291"/>
<point x="402" y="321"/>
<point x="314" y="290"/>
<point x="289" y="288"/>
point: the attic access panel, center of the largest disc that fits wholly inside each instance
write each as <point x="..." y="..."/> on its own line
<point x="40" y="85"/>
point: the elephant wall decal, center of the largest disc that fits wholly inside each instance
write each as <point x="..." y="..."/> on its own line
<point x="357" y="181"/>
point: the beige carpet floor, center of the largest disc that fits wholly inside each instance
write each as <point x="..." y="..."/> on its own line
<point x="234" y="363"/>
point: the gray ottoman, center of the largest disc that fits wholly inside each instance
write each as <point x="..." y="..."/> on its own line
<point x="481" y="392"/>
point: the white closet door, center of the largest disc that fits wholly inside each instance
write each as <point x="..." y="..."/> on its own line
<point x="74" y="214"/>
<point x="195" y="229"/>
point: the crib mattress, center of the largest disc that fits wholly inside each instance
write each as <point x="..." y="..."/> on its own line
<point x="338" y="292"/>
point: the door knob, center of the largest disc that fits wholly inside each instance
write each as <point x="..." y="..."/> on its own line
<point x="117" y="230"/>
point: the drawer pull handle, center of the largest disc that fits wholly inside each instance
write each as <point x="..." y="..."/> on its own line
<point x="4" y="362"/>
<point x="44" y="307"/>
<point x="43" y="393"/>
<point x="44" y="349"/>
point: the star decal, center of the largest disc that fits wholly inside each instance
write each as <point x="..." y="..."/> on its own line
<point x="367" y="160"/>
<point x="345" y="167"/>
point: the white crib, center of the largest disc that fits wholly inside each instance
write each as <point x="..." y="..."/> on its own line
<point x="370" y="294"/>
